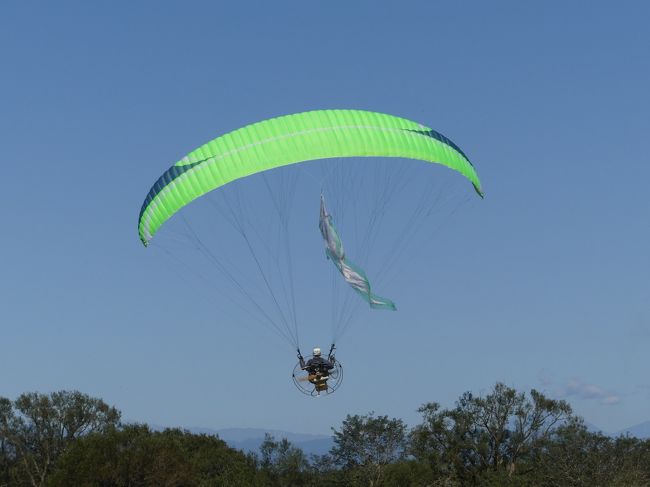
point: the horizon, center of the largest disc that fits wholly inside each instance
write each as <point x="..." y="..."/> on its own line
<point x="195" y="428"/>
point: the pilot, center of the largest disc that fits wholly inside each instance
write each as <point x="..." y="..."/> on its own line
<point x="318" y="368"/>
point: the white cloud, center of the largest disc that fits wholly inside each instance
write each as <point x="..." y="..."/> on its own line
<point x="582" y="390"/>
<point x="613" y="399"/>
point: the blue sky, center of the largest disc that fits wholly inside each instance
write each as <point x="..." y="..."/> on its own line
<point x="544" y="284"/>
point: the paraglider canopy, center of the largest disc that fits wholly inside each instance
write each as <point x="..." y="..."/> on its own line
<point x="320" y="134"/>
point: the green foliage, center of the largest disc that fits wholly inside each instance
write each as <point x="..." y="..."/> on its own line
<point x="283" y="464"/>
<point x="483" y="437"/>
<point x="136" y="456"/>
<point x="576" y="457"/>
<point x="409" y="473"/>
<point x="503" y="439"/>
<point x="36" y="429"/>
<point x="366" y="444"/>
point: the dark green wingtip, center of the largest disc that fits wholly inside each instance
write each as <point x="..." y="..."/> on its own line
<point x="479" y="191"/>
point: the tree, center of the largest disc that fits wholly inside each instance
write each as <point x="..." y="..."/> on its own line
<point x="410" y="473"/>
<point x="367" y="444"/>
<point x="487" y="434"/>
<point x="136" y="456"/>
<point x="576" y="457"/>
<point x="37" y="428"/>
<point x="283" y="463"/>
<point x="7" y="462"/>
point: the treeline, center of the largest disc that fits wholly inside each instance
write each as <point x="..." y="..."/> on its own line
<point x="504" y="438"/>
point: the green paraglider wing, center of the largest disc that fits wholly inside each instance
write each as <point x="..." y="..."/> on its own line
<point x="281" y="141"/>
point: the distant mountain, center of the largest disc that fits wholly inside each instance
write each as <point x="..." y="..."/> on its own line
<point x="243" y="434"/>
<point x="250" y="439"/>
<point x="592" y="428"/>
<point x="641" y="431"/>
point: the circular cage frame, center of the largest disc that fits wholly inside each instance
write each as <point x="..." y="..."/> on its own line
<point x="299" y="377"/>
